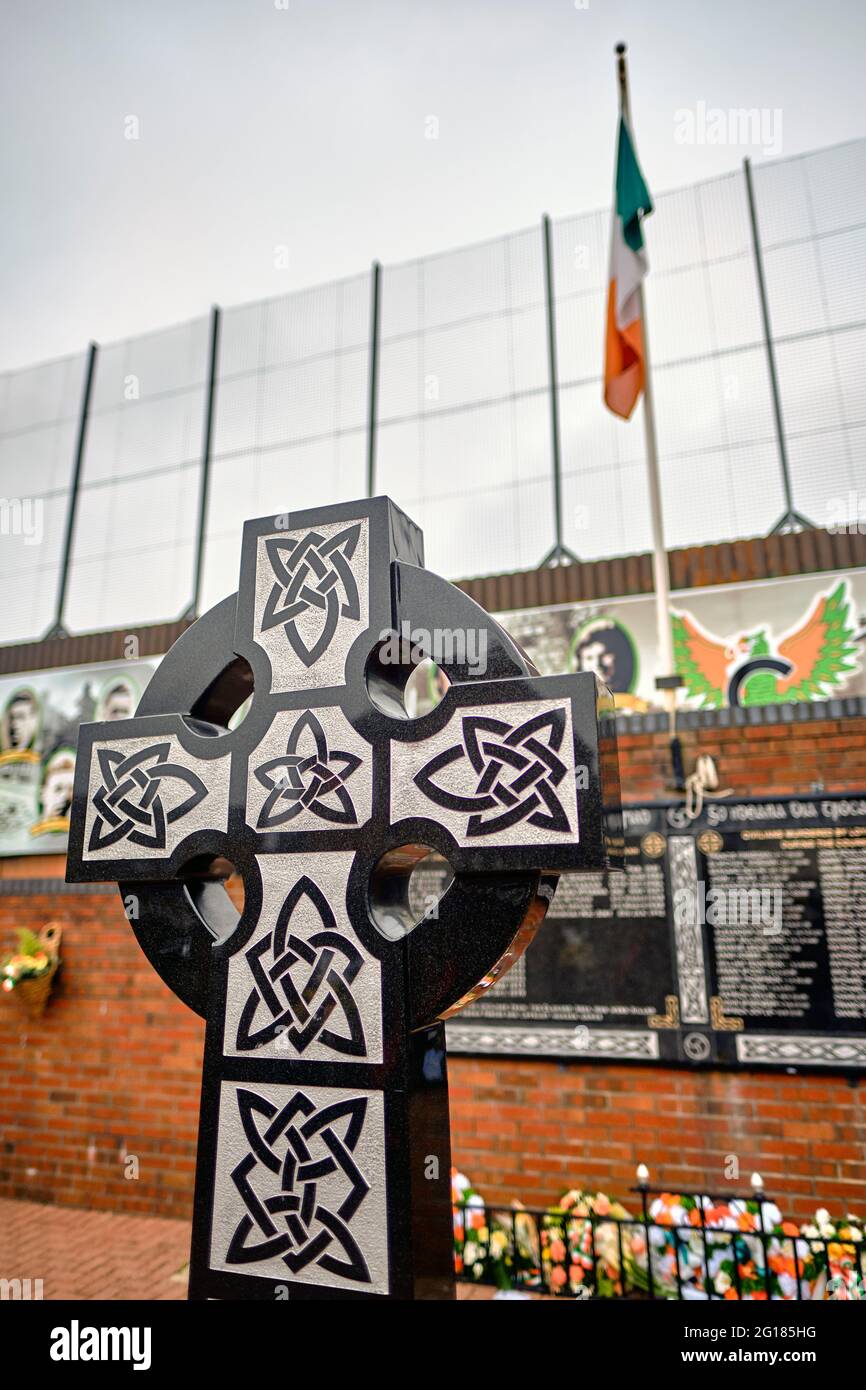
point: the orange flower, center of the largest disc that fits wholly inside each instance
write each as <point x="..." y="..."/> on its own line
<point x="602" y="1205"/>
<point x="557" y="1250"/>
<point x="558" y="1276"/>
<point x="789" y="1229"/>
<point x="731" y="1293"/>
<point x="746" y="1221"/>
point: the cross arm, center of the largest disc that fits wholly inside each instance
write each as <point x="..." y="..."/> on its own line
<point x="512" y="774"/>
<point x="151" y="793"/>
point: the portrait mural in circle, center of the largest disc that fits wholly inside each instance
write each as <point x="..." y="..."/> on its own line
<point x="605" y="646"/>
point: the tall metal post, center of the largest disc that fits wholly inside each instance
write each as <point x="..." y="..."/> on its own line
<point x="206" y="454"/>
<point x="790" y="520"/>
<point x="373" y="400"/>
<point x="558" y="554"/>
<point x="667" y="680"/>
<point x="57" y="628"/>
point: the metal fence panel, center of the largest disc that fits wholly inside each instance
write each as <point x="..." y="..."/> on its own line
<point x="812" y="216"/>
<point x="291" y="414"/>
<point x="464" y="432"/>
<point x="132" y="557"/>
<point x="39" y="409"/>
<point x="464" y="439"/>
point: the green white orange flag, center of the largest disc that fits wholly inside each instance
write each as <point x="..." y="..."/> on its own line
<point x="624" y="370"/>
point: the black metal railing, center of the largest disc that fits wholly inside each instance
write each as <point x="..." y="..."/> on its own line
<point x="578" y="1252"/>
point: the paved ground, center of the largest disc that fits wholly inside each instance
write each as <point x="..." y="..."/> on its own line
<point x="94" y="1254"/>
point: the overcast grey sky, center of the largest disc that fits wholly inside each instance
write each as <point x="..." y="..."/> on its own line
<point x="305" y="123"/>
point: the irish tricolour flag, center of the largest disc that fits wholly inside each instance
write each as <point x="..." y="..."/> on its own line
<point x="624" y="342"/>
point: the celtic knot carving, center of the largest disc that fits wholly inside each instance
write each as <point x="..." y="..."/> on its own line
<point x="310" y="575"/>
<point x="301" y="1147"/>
<point x="304" y="778"/>
<point x="513" y="773"/>
<point x="313" y="974"/>
<point x="130" y="803"/>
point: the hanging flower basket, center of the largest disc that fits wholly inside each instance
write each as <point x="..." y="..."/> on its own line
<point x="29" y="973"/>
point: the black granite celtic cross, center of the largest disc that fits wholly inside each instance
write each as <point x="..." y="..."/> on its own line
<point x="324" y="1157"/>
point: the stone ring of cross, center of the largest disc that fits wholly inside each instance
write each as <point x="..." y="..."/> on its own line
<point x="274" y="739"/>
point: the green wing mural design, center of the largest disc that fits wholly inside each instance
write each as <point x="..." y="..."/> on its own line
<point x="809" y="663"/>
<point x="701" y="661"/>
<point x="822" y="652"/>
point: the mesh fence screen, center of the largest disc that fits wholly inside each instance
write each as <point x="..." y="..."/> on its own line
<point x="464" y="432"/>
<point x="812" y="216"/>
<point x="39" y="410"/>
<point x="290" y="427"/>
<point x="132" y="555"/>
<point x="463" y="437"/>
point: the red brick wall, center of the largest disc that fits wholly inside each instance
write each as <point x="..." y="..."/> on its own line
<point x="760" y="760"/>
<point x="112" y="1069"/>
<point x="531" y="1129"/>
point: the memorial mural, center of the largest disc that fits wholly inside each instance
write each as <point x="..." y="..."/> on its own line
<point x="774" y="642"/>
<point x="39" y="718"/>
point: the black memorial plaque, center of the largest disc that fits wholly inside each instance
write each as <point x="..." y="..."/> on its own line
<point x="735" y="939"/>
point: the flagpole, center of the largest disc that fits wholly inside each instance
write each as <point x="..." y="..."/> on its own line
<point x="666" y="679"/>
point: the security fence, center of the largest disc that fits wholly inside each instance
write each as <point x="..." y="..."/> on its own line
<point x="467" y="385"/>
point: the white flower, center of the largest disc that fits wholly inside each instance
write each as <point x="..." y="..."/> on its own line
<point x="788" y="1285"/>
<point x="811" y="1232"/>
<point x="822" y="1216"/>
<point x="470" y="1252"/>
<point x="855" y="1234"/>
<point x="772" y="1215"/>
<point x="828" y="1231"/>
<point x="722" y="1282"/>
